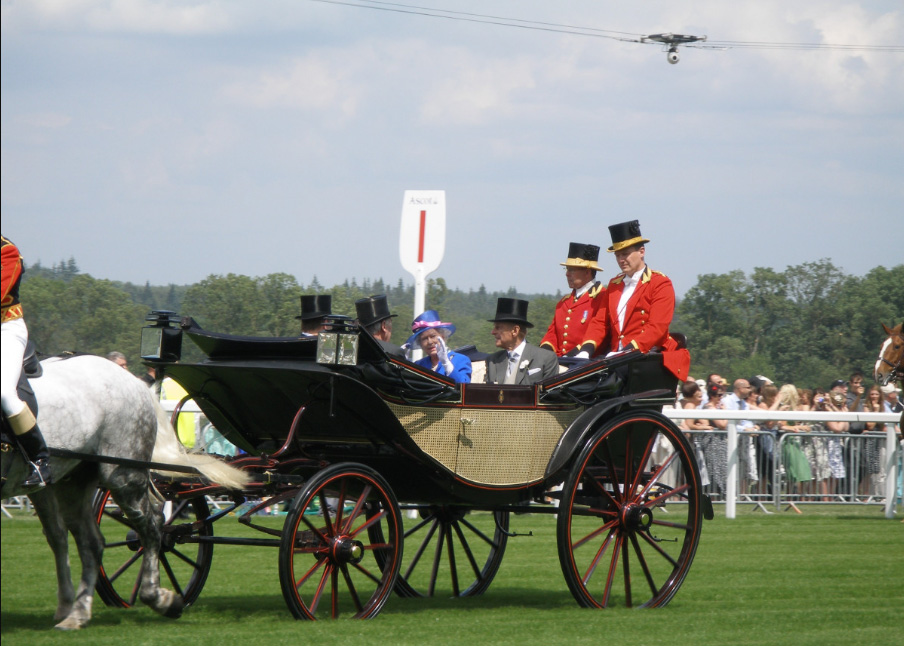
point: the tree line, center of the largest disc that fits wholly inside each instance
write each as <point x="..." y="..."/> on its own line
<point x="807" y="325"/>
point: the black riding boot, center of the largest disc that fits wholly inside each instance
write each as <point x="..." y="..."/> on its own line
<point x="32" y="443"/>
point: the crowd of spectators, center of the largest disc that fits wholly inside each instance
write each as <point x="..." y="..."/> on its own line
<point x="815" y="460"/>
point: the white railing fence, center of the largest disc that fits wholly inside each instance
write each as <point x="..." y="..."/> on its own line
<point x="776" y="494"/>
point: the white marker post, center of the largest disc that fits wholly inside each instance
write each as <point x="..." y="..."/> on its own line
<point x="422" y="241"/>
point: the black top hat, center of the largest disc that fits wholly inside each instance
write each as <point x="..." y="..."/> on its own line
<point x="372" y="309"/>
<point x="625" y="234"/>
<point x="315" y="306"/>
<point x="582" y="255"/>
<point x="512" y="310"/>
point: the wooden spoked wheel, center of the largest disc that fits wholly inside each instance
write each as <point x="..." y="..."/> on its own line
<point x="328" y="560"/>
<point x="451" y="552"/>
<point x="631" y="513"/>
<point x="184" y="562"/>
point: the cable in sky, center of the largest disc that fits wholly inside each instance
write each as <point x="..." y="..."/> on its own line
<point x="594" y="32"/>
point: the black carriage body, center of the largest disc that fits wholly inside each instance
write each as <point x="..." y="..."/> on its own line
<point x="434" y="441"/>
<point x="349" y="437"/>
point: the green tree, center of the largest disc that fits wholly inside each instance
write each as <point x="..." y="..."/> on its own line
<point x="173" y="301"/>
<point x="280" y="302"/>
<point x="807" y="325"/>
<point x="714" y="309"/>
<point x="816" y="330"/>
<point x="82" y="315"/>
<point x="147" y="296"/>
<point x="47" y="323"/>
<point x="229" y="304"/>
<point x="766" y="308"/>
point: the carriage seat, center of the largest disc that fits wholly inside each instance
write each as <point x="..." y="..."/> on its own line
<point x="471" y="352"/>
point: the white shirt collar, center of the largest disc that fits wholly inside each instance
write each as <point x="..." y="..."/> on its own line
<point x="583" y="290"/>
<point x="519" y="350"/>
<point x="630" y="280"/>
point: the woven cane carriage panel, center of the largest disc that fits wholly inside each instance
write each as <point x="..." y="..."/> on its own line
<point x="509" y="447"/>
<point x="434" y="430"/>
<point x="485" y="446"/>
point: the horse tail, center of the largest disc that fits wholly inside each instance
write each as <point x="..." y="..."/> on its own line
<point x="169" y="450"/>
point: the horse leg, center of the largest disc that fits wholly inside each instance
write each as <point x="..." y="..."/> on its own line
<point x="144" y="515"/>
<point x="45" y="504"/>
<point x="76" y="503"/>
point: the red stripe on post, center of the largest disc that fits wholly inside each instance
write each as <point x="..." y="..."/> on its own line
<point x="420" y="243"/>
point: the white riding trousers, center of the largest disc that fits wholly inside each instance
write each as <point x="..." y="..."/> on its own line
<point x="13" y="337"/>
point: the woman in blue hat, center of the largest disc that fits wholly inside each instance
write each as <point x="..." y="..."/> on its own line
<point x="430" y="333"/>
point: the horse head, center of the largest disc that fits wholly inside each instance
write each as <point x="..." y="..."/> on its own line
<point x="890" y="364"/>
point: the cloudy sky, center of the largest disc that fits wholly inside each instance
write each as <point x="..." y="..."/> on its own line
<point x="164" y="141"/>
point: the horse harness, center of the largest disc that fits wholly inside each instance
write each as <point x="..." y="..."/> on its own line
<point x="896" y="368"/>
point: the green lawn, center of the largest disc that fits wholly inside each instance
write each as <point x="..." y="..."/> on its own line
<point x="834" y="575"/>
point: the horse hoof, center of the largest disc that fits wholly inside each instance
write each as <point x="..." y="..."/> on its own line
<point x="69" y="624"/>
<point x="175" y="610"/>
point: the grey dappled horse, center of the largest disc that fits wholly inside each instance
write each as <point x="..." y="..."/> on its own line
<point x="91" y="405"/>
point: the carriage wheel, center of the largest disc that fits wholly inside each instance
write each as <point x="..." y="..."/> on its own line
<point x="327" y="556"/>
<point x="446" y="546"/>
<point x="631" y="513"/>
<point x="185" y="565"/>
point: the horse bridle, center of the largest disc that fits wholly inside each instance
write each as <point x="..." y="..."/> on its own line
<point x="896" y="370"/>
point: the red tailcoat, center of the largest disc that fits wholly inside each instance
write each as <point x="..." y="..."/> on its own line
<point x="571" y="320"/>
<point x="648" y="314"/>
<point x="11" y="275"/>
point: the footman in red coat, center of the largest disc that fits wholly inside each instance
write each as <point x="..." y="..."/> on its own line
<point x="639" y="306"/>
<point x="575" y="311"/>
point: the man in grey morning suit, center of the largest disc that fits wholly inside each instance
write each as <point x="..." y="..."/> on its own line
<point x="518" y="362"/>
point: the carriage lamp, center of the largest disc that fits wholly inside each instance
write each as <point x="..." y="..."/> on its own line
<point x="337" y="343"/>
<point x="162" y="340"/>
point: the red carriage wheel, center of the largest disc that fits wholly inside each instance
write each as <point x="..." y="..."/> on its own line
<point x="328" y="558"/>
<point x="184" y="563"/>
<point x="450" y="550"/>
<point x="631" y="513"/>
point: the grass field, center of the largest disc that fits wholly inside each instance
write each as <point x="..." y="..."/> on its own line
<point x="834" y="575"/>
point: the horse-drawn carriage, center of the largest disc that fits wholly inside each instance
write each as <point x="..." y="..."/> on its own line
<point x="351" y="438"/>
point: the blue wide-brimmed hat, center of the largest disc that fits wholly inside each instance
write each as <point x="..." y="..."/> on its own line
<point x="429" y="320"/>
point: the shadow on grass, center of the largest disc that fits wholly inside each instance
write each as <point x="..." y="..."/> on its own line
<point x="20" y="622"/>
<point x="241" y="608"/>
<point x="272" y="608"/>
<point x="509" y="597"/>
<point x="264" y="607"/>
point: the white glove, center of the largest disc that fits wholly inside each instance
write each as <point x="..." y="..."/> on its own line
<point x="443" y="355"/>
<point x="583" y="354"/>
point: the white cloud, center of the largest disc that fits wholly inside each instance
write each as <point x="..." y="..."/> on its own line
<point x="476" y="90"/>
<point x="112" y="16"/>
<point x="48" y="120"/>
<point x="296" y="111"/>
<point x="321" y="82"/>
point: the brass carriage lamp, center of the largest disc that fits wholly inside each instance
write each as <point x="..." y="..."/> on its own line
<point x="161" y="341"/>
<point x="337" y="343"/>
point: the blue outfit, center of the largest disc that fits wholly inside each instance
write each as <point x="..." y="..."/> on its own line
<point x="461" y="367"/>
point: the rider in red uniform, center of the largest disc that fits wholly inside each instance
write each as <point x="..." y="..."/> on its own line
<point x="14" y="336"/>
